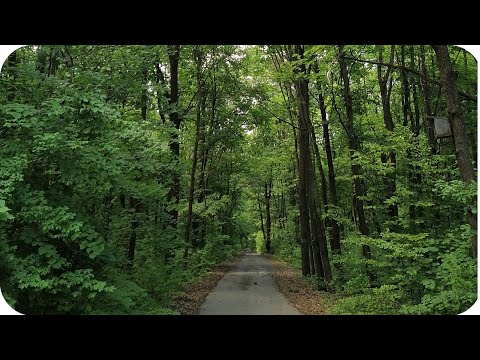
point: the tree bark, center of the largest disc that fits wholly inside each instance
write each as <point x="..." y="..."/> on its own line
<point x="385" y="83"/>
<point x="268" y="221"/>
<point x="160" y="80"/>
<point x="143" y="100"/>
<point x="335" y="243"/>
<point x="428" y="107"/>
<point x="416" y="175"/>
<point x="261" y="217"/>
<point x="354" y="147"/>
<point x="323" y="180"/>
<point x="134" y="203"/>
<point x="406" y="108"/>
<point x="307" y="178"/>
<point x="175" y="120"/>
<point x="455" y="116"/>
<point x="188" y="223"/>
<point x="135" y="208"/>
<point x="303" y="163"/>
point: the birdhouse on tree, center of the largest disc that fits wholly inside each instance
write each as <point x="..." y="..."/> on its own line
<point x="442" y="127"/>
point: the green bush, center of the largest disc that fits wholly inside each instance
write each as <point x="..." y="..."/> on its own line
<point x="381" y="301"/>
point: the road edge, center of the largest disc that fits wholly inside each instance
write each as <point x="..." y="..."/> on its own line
<point x="194" y="295"/>
<point x="299" y="292"/>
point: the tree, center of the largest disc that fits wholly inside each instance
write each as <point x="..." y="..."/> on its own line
<point x="385" y="82"/>
<point x="455" y="117"/>
<point x="188" y="223"/>
<point x="175" y="120"/>
<point x="335" y="243"/>
<point x="354" y="148"/>
<point x="306" y="180"/>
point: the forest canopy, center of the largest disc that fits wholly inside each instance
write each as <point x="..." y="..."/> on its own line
<point x="127" y="172"/>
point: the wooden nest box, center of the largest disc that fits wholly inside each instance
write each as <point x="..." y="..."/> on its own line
<point x="441" y="127"/>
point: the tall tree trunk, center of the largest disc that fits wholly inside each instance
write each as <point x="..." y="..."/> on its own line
<point x="268" y="221"/>
<point x="175" y="120"/>
<point x="354" y="147"/>
<point x="415" y="175"/>
<point x="323" y="180"/>
<point x="319" y="239"/>
<point x="455" y="116"/>
<point x="160" y="81"/>
<point x="188" y="223"/>
<point x="428" y="107"/>
<point x="386" y="84"/>
<point x="416" y="130"/>
<point x="107" y="217"/>
<point x="406" y="107"/>
<point x="134" y="203"/>
<point x="143" y="99"/>
<point x="307" y="177"/>
<point x="12" y="75"/>
<point x="261" y="217"/>
<point x="205" y="149"/>
<point x="135" y="208"/>
<point x="303" y="164"/>
<point x="335" y="243"/>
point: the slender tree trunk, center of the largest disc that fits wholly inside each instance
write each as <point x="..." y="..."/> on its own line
<point x="188" y="223"/>
<point x="160" y="81"/>
<point x="426" y="98"/>
<point x="108" y="205"/>
<point x="143" y="99"/>
<point x="335" y="243"/>
<point x="205" y="149"/>
<point x="415" y="175"/>
<point x="135" y="208"/>
<point x="455" y="116"/>
<point x="319" y="240"/>
<point x="261" y="217"/>
<point x="407" y="114"/>
<point x="385" y="83"/>
<point x="313" y="266"/>
<point x="175" y="120"/>
<point x="198" y="224"/>
<point x="268" y="195"/>
<point x="134" y="203"/>
<point x="323" y="180"/>
<point x="354" y="147"/>
<point x="406" y="107"/>
<point x="415" y="95"/>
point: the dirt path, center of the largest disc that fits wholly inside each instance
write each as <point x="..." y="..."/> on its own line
<point x="248" y="289"/>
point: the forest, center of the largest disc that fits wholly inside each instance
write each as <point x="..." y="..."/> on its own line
<point x="128" y="172"/>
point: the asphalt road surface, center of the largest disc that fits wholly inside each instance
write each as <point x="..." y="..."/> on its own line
<point x="248" y="289"/>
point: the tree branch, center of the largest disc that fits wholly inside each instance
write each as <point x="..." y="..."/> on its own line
<point x="415" y="72"/>
<point x="339" y="115"/>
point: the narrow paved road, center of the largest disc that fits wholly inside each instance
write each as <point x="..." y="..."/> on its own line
<point x="248" y="289"/>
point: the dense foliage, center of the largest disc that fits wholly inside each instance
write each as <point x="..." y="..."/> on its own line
<point x="127" y="171"/>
